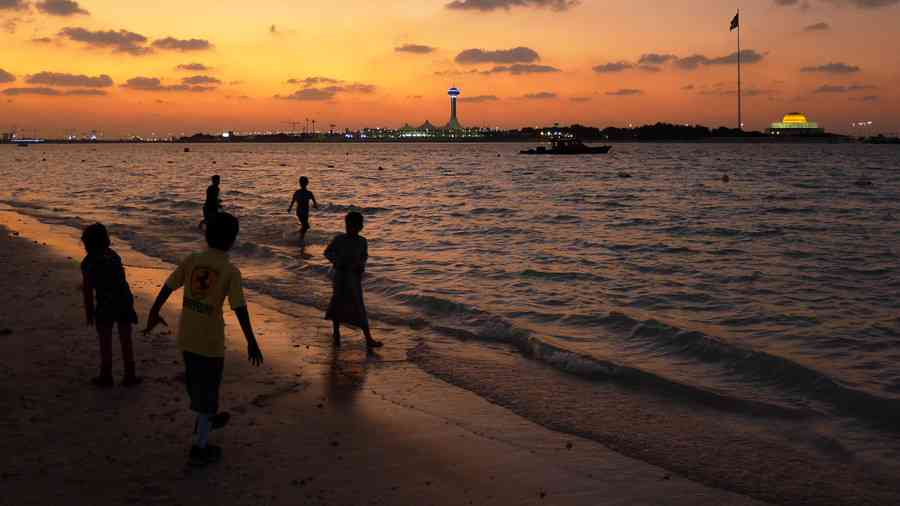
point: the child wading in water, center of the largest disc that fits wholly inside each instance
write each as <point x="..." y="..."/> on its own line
<point x="104" y="275"/>
<point x="302" y="198"/>
<point x="212" y="205"/>
<point x="348" y="254"/>
<point x="207" y="277"/>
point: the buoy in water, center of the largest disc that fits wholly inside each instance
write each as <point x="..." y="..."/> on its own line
<point x="624" y="174"/>
<point x="187" y="150"/>
<point x="725" y="178"/>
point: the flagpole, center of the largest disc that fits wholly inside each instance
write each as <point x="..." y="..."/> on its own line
<point x="740" y="123"/>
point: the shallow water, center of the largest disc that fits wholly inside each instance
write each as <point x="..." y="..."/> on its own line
<point x="774" y="294"/>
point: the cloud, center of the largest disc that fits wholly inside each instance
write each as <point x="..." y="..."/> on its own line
<point x="200" y="80"/>
<point x="817" y="27"/>
<point x="625" y="92"/>
<point x="687" y="87"/>
<point x="70" y="80"/>
<point x="310" y="93"/>
<point x="450" y="73"/>
<point x="656" y="58"/>
<point x="836" y="88"/>
<point x="13" y="5"/>
<point x="42" y="40"/>
<point x="515" y="55"/>
<point x="313" y="81"/>
<point x="617" y="66"/>
<point x="580" y="99"/>
<point x="92" y="92"/>
<point x="6" y="77"/>
<point x="493" y="5"/>
<point x="193" y="67"/>
<point x="748" y="56"/>
<point x="541" y="95"/>
<point x="61" y="8"/>
<point x="746" y="92"/>
<point x="48" y="92"/>
<point x="832" y="68"/>
<point x="155" y="84"/>
<point x="414" y="48"/>
<point x="183" y="45"/>
<point x="477" y="99"/>
<point x="121" y="41"/>
<point x="517" y="69"/>
<point x="861" y="4"/>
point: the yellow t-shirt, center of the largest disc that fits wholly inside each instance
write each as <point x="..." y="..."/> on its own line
<point x="207" y="278"/>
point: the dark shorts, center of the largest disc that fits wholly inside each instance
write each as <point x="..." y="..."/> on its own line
<point x="304" y="221"/>
<point x="202" y="377"/>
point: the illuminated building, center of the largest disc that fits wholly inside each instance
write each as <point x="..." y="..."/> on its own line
<point x="795" y="124"/>
<point x="453" y="124"/>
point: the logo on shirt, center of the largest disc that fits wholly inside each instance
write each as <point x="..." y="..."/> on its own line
<point x="203" y="279"/>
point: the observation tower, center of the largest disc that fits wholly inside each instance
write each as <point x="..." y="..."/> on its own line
<point x="453" y="124"/>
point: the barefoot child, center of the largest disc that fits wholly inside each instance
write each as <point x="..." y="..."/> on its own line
<point x="207" y="277"/>
<point x="104" y="275"/>
<point x="302" y="198"/>
<point x="348" y="254"/>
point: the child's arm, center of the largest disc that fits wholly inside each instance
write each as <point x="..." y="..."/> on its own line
<point x="293" y="199"/>
<point x="313" y="197"/>
<point x="154" y="318"/>
<point x="254" y="354"/>
<point x="88" y="300"/>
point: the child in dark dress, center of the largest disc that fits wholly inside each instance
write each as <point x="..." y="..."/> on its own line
<point x="348" y="254"/>
<point x="104" y="276"/>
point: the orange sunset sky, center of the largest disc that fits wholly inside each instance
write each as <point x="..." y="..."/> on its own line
<point x="113" y="66"/>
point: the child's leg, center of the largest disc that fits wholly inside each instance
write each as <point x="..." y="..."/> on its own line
<point x="371" y="343"/>
<point x="104" y="335"/>
<point x="127" y="350"/>
<point x="336" y="332"/>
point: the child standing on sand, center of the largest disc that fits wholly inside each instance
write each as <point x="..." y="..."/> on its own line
<point x="302" y="198"/>
<point x="348" y="254"/>
<point x="104" y="276"/>
<point x="207" y="277"/>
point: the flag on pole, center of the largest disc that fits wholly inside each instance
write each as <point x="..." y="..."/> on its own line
<point x="736" y="22"/>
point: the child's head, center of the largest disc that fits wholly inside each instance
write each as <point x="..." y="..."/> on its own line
<point x="354" y="222"/>
<point x="216" y="179"/>
<point x="95" y="238"/>
<point x="304" y="181"/>
<point x="222" y="231"/>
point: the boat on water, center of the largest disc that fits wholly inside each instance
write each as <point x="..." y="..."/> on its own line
<point x="567" y="147"/>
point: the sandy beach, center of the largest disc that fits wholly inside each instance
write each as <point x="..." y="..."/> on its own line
<point x="312" y="426"/>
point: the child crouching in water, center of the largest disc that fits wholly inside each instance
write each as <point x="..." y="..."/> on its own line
<point x="207" y="277"/>
<point x="348" y="254"/>
<point x="104" y="276"/>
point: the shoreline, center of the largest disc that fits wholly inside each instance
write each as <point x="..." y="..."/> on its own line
<point x="310" y="425"/>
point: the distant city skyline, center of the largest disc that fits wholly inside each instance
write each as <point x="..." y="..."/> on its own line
<point x="182" y="67"/>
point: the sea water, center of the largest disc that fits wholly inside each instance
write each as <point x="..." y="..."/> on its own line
<point x="755" y="282"/>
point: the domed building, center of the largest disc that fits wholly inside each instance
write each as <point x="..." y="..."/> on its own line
<point x="795" y="124"/>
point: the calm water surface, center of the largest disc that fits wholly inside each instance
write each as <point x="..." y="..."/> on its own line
<point x="772" y="294"/>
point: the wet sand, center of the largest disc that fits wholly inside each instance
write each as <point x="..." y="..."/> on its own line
<point x="311" y="426"/>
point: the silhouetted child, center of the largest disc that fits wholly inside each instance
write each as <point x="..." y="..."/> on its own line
<point x="207" y="277"/>
<point x="212" y="205"/>
<point x="104" y="276"/>
<point x="302" y="198"/>
<point x="348" y="254"/>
